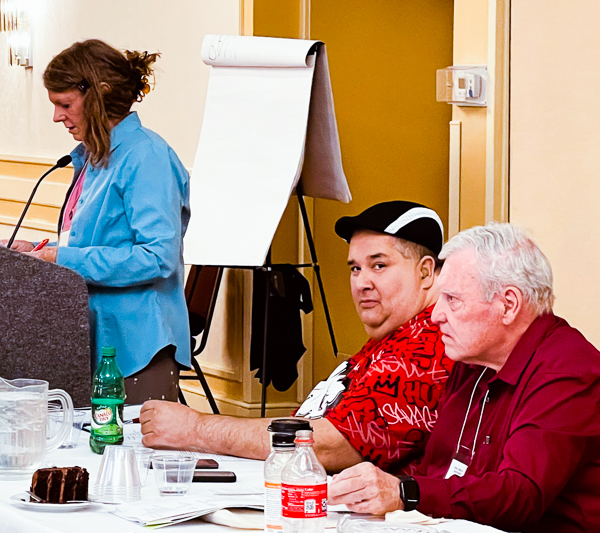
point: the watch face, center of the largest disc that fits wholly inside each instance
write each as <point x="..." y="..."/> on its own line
<point x="409" y="492"/>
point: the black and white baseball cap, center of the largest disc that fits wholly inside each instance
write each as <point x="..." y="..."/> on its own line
<point x="407" y="220"/>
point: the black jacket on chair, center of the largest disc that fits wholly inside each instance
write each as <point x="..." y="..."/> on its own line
<point x="289" y="294"/>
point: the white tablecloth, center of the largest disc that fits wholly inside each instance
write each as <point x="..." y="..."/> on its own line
<point x="98" y="519"/>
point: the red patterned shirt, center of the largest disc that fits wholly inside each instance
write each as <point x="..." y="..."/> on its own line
<point x="384" y="399"/>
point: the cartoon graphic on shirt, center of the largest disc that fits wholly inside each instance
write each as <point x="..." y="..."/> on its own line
<point x="326" y="394"/>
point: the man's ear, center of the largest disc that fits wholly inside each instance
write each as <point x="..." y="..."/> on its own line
<point x="104" y="87"/>
<point x="512" y="298"/>
<point x="426" y="269"/>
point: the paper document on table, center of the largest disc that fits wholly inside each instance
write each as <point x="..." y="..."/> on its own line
<point x="132" y="434"/>
<point x="412" y="517"/>
<point x="269" y="118"/>
<point x="164" y="511"/>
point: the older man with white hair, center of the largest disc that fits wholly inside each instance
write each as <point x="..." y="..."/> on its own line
<point x="517" y="440"/>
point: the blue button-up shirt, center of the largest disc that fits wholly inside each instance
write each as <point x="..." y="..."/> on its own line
<point x="126" y="241"/>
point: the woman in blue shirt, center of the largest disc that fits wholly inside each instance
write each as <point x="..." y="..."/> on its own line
<point x="124" y="218"/>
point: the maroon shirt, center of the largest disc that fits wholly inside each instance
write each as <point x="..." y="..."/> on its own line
<point x="537" y="459"/>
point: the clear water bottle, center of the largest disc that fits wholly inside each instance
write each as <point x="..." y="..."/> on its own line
<point x="283" y="433"/>
<point x="303" y="489"/>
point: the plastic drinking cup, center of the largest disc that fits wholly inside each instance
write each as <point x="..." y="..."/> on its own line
<point x="173" y="475"/>
<point x="118" y="479"/>
<point x="55" y="421"/>
<point x="143" y="458"/>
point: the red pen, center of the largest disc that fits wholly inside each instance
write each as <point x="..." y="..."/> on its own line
<point x="41" y="245"/>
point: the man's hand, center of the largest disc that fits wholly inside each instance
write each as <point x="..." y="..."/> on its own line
<point x="364" y="488"/>
<point x="46" y="254"/>
<point x="18" y="246"/>
<point x="170" y="425"/>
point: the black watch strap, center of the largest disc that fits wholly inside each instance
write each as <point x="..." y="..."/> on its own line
<point x="409" y="492"/>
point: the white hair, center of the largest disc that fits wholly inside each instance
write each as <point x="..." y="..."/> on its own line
<point x="506" y="256"/>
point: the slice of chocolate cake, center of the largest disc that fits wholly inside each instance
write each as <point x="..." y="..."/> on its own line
<point x="60" y="485"/>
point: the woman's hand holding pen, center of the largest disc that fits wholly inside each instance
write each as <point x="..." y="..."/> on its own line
<point x="18" y="246"/>
<point x="47" y="254"/>
<point x="41" y="251"/>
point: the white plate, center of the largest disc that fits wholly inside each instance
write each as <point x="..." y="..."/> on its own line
<point x="22" y="500"/>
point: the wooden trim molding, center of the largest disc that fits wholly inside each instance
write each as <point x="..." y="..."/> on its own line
<point x="454" y="179"/>
<point x="246" y="17"/>
<point x="305" y="368"/>
<point x="29" y="159"/>
<point x="497" y="118"/>
<point x="229" y="406"/>
<point x="304" y="30"/>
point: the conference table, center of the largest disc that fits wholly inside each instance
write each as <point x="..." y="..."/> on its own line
<point x="98" y="518"/>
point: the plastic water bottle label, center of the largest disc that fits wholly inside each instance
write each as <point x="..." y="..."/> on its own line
<point x="273" y="506"/>
<point x="304" y="501"/>
<point x="107" y="418"/>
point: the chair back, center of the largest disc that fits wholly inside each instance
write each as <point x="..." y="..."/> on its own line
<point x="201" y="291"/>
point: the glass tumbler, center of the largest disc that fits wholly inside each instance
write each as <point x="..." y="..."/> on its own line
<point x="173" y="475"/>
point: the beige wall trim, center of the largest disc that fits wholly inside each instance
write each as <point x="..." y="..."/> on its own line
<point x="304" y="32"/>
<point x="19" y="189"/>
<point x="454" y="179"/>
<point x="28" y="159"/>
<point x="29" y="224"/>
<point x="305" y="367"/>
<point x="252" y="405"/>
<point x="497" y="117"/>
<point x="229" y="406"/>
<point x="220" y="371"/>
<point x="246" y="17"/>
<point x="40" y="160"/>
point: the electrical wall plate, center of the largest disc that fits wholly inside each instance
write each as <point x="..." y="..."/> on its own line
<point x="463" y="85"/>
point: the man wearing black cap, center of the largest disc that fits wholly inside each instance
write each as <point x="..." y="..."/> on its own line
<point x="379" y="406"/>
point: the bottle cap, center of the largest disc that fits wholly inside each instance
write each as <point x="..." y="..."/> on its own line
<point x="283" y="440"/>
<point x="304" y="436"/>
<point x="108" y="351"/>
<point x="289" y="426"/>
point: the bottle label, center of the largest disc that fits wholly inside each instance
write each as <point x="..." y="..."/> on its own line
<point x="304" y="501"/>
<point x="273" y="506"/>
<point x="107" y="420"/>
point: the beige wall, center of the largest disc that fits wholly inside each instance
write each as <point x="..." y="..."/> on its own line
<point x="174" y="109"/>
<point x="555" y="140"/>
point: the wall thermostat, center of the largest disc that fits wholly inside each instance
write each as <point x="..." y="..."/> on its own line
<point x="464" y="85"/>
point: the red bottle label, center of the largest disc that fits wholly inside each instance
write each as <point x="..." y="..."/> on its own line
<point x="303" y="501"/>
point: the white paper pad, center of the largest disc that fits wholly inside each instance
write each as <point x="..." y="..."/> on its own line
<point x="251" y="152"/>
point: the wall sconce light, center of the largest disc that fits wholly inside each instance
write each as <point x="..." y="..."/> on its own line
<point x="16" y="22"/>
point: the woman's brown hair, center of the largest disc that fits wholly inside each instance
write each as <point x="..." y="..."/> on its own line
<point x="111" y="82"/>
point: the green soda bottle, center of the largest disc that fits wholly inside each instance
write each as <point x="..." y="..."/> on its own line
<point x="108" y="396"/>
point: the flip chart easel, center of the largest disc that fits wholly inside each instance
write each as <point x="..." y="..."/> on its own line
<point x="269" y="129"/>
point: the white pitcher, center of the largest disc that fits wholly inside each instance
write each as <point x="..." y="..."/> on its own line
<point x="23" y="417"/>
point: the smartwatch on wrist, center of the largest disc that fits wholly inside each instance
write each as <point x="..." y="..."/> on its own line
<point x="409" y="492"/>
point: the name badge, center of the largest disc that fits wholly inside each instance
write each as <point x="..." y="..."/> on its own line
<point x="460" y="462"/>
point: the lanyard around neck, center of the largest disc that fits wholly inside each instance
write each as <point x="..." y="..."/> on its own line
<point x="467" y="415"/>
